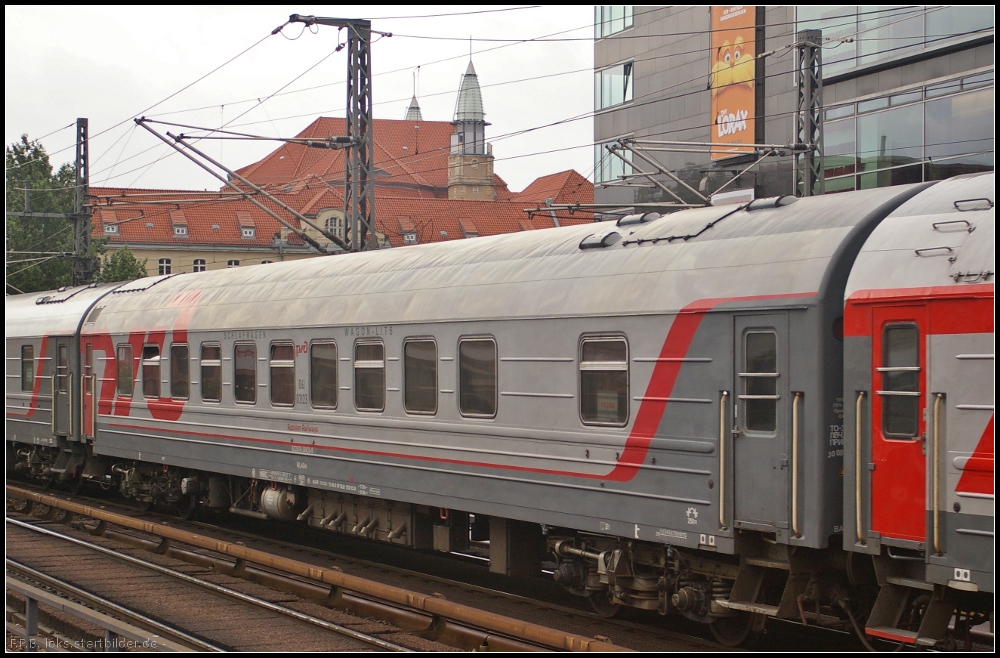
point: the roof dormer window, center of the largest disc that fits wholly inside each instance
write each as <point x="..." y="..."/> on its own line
<point x="248" y="228"/>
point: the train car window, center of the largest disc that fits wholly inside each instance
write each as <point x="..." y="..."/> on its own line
<point x="369" y="376"/>
<point x="604" y="381"/>
<point x="62" y="369"/>
<point x="180" y="372"/>
<point x="477" y="377"/>
<point x="283" y="374"/>
<point x="323" y="375"/>
<point x="124" y="359"/>
<point x="760" y="380"/>
<point x="27" y="367"/>
<point x="900" y="381"/>
<point x="420" y="376"/>
<point x="211" y="372"/>
<point x="245" y="364"/>
<point x="151" y="371"/>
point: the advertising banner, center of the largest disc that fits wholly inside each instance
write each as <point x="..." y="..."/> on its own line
<point x="732" y="79"/>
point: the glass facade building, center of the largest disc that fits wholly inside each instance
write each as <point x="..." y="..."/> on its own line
<point x="908" y="96"/>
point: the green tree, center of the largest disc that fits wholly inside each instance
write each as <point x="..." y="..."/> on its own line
<point x="37" y="246"/>
<point x="122" y="265"/>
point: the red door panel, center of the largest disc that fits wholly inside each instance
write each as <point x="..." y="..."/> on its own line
<point x="899" y="375"/>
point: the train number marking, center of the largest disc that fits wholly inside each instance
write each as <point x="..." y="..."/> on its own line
<point x="707" y="539"/>
<point x="964" y="575"/>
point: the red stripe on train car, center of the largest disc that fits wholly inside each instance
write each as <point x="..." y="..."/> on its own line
<point x="966" y="309"/>
<point x="661" y="384"/>
<point x="977" y="474"/>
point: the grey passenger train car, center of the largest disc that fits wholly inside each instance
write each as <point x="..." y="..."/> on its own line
<point x="655" y="404"/>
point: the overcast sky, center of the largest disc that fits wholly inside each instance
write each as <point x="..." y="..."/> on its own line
<point x="111" y="64"/>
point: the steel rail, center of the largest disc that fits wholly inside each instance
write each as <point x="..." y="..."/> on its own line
<point x="437" y="607"/>
<point x="219" y="589"/>
<point x="136" y="619"/>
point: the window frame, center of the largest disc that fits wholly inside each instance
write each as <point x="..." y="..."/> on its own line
<point x="124" y="359"/>
<point x="62" y="368"/>
<point x="199" y="265"/>
<point x="164" y="266"/>
<point x="604" y="366"/>
<point x="153" y="361"/>
<point x="210" y="363"/>
<point x="186" y="381"/>
<point x="280" y="364"/>
<point x="236" y="387"/>
<point x="411" y="341"/>
<point x="369" y="364"/>
<point x="746" y="377"/>
<point x="496" y="376"/>
<point x="336" y="375"/>
<point x="604" y="85"/>
<point x="886" y="391"/>
<point x="28" y="374"/>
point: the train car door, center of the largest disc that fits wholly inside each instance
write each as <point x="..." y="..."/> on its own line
<point x="761" y="434"/>
<point x="89" y="385"/>
<point x="62" y="402"/>
<point x="899" y="375"/>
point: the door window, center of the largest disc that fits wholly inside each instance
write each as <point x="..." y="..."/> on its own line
<point x="760" y="381"/>
<point x="900" y="381"/>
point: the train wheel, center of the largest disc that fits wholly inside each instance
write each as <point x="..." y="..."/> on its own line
<point x="740" y="629"/>
<point x="187" y="509"/>
<point x="602" y="604"/>
<point x="75" y="486"/>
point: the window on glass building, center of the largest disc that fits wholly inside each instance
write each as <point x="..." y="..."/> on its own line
<point x="920" y="134"/>
<point x="613" y="86"/>
<point x="609" y="167"/>
<point x="611" y="19"/>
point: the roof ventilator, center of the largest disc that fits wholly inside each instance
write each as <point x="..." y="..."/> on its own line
<point x="600" y="240"/>
<point x="640" y="218"/>
<point x="771" y="202"/>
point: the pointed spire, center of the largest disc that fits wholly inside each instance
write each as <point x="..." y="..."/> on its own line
<point x="413" y="112"/>
<point x="469" y="106"/>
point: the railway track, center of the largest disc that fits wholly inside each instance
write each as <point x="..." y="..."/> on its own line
<point x="186" y="610"/>
<point x="427" y="617"/>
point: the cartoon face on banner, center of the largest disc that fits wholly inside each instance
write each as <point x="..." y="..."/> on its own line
<point x="733" y="77"/>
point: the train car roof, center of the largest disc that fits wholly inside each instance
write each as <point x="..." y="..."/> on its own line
<point x="55" y="312"/>
<point x="660" y="266"/>
<point x="943" y="236"/>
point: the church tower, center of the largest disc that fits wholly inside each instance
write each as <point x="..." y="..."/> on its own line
<point x="470" y="162"/>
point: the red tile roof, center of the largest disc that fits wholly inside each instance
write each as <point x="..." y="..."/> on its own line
<point x="211" y="218"/>
<point x="408" y="154"/>
<point x="411" y="160"/>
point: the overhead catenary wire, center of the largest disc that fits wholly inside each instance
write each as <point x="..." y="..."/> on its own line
<point x="632" y="104"/>
<point x="164" y="100"/>
<point x="544" y="37"/>
<point x="488" y="85"/>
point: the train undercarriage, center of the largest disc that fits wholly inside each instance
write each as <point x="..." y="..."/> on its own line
<point x="734" y="595"/>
